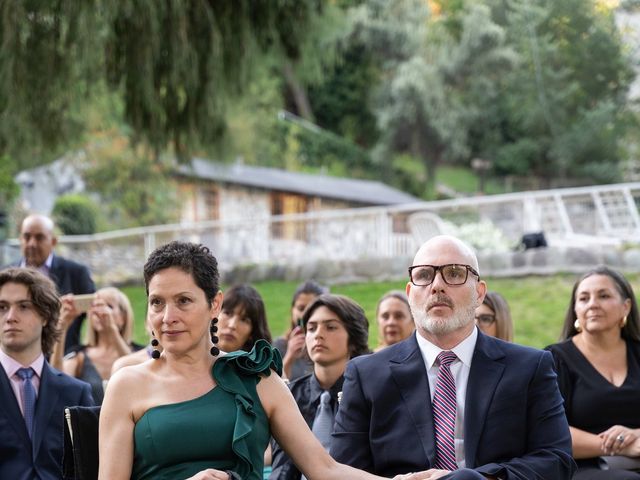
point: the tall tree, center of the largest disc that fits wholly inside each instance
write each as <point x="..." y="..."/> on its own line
<point x="562" y="112"/>
<point x="175" y="63"/>
<point x="425" y="101"/>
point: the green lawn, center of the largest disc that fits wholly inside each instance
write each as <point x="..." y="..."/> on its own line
<point x="538" y="304"/>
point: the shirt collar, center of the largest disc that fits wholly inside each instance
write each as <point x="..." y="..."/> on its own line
<point x="464" y="350"/>
<point x="11" y="365"/>
<point x="316" y="390"/>
<point x="47" y="263"/>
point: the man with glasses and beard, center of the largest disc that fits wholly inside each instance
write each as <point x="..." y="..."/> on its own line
<point x="450" y="399"/>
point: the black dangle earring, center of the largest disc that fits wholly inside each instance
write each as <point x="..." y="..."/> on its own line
<point x="155" y="353"/>
<point x="213" y="328"/>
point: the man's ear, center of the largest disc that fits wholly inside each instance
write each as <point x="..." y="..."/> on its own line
<point x="54" y="241"/>
<point x="481" y="289"/>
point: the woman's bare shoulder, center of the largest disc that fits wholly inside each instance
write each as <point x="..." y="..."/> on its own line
<point x="134" y="358"/>
<point x="131" y="380"/>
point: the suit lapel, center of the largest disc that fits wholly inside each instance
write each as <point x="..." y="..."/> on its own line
<point x="56" y="274"/>
<point x="410" y="375"/>
<point x="48" y="395"/>
<point x="486" y="371"/>
<point x="11" y="408"/>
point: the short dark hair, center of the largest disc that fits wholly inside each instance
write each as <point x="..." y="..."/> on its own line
<point x="192" y="258"/>
<point x="310" y="286"/>
<point x="249" y="300"/>
<point x="631" y="331"/>
<point x="352" y="317"/>
<point x="43" y="295"/>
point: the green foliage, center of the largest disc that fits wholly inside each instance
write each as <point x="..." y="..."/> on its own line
<point x="134" y="187"/>
<point x="321" y="148"/>
<point x="536" y="86"/>
<point x="49" y="53"/>
<point x="562" y="113"/>
<point x="341" y="102"/>
<point x="178" y="62"/>
<point x="434" y="94"/>
<point x="8" y="188"/>
<point x="8" y="192"/>
<point x="75" y="214"/>
<point x="175" y="64"/>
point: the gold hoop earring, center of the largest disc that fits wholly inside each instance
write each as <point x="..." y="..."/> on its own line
<point x="577" y="326"/>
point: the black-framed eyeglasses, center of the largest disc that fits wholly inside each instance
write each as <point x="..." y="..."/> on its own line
<point x="452" y="274"/>
<point x="486" y="318"/>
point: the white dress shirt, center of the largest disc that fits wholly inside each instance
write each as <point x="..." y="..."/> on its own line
<point x="460" y="370"/>
<point x="11" y="367"/>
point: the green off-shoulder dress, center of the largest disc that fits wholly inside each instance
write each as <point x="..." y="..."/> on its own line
<point x="226" y="428"/>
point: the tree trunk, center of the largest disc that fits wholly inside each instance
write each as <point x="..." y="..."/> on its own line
<point x="298" y="92"/>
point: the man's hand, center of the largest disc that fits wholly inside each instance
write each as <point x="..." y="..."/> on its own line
<point x="430" y="474"/>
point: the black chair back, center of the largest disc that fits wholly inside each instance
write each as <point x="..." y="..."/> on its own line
<point x="80" y="450"/>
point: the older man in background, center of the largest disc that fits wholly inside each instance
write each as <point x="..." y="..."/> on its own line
<point x="37" y="242"/>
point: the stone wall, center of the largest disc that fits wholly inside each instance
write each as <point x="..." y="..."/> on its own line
<point x="542" y="261"/>
<point x="120" y="266"/>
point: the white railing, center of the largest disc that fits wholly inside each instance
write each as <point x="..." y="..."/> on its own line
<point x="589" y="216"/>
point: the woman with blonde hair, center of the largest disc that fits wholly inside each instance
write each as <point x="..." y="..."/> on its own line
<point x="393" y="315"/>
<point x="108" y="337"/>
<point x="493" y="317"/>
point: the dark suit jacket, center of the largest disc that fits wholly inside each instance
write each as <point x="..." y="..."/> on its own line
<point x="22" y="458"/>
<point x="514" y="423"/>
<point x="70" y="277"/>
<point x="302" y="390"/>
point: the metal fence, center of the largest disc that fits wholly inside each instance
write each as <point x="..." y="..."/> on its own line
<point x="589" y="216"/>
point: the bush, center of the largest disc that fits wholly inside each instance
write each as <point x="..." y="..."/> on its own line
<point x="75" y="215"/>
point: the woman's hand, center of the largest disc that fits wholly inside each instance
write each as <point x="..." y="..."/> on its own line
<point x="295" y="345"/>
<point x="68" y="312"/>
<point x="430" y="474"/>
<point x="105" y="318"/>
<point x="632" y="450"/>
<point x="211" y="474"/>
<point x="617" y="439"/>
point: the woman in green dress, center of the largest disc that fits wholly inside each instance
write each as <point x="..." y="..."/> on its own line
<point x="194" y="412"/>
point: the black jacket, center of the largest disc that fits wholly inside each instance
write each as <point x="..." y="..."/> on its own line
<point x="306" y="392"/>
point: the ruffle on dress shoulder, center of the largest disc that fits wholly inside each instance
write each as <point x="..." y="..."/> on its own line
<point x="238" y="373"/>
<point x="260" y="360"/>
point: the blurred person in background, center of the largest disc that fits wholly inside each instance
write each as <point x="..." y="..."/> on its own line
<point x="138" y="356"/>
<point x="336" y="330"/>
<point x="394" y="319"/>
<point x="291" y="345"/>
<point x="37" y="242"/>
<point x="108" y="337"/>
<point x="243" y="319"/>
<point x="493" y="317"/>
<point x="598" y="366"/>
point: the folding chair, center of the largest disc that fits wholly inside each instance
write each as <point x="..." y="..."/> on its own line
<point x="80" y="448"/>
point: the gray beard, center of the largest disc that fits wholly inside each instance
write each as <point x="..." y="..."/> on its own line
<point x="441" y="325"/>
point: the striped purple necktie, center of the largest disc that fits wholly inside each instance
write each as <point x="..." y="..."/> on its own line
<point x="444" y="413"/>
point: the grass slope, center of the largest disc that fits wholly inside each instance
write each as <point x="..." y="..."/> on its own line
<point x="538" y="304"/>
